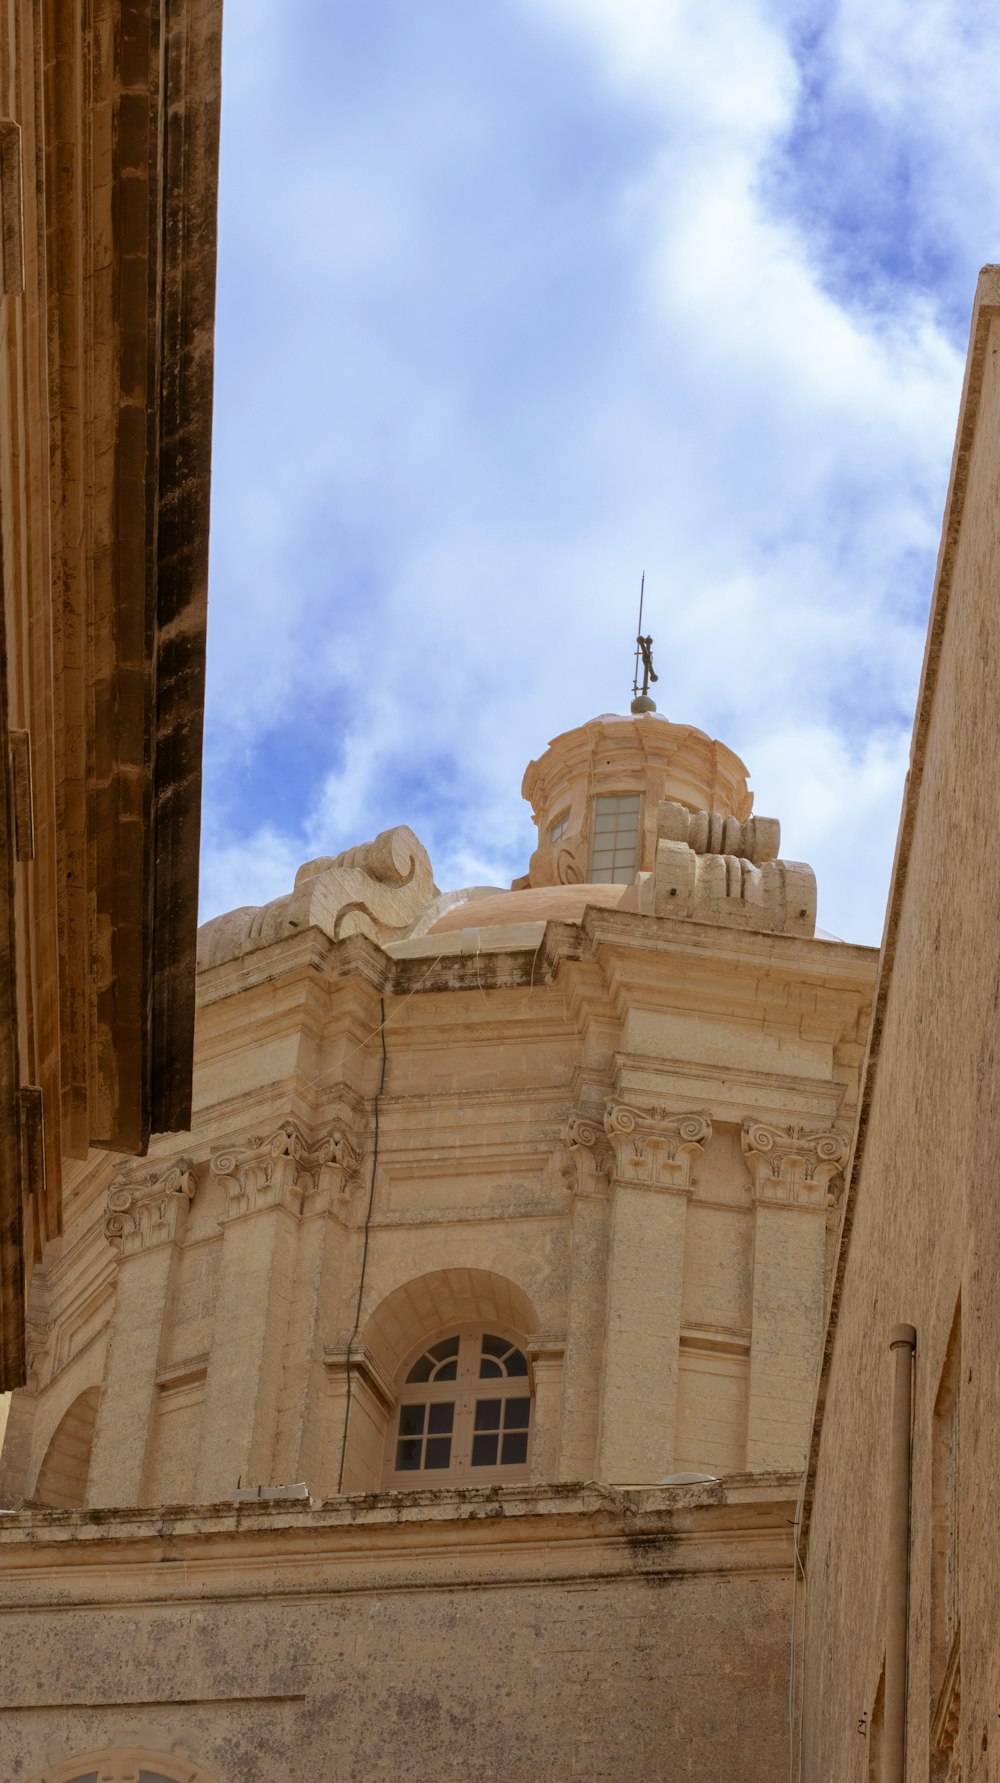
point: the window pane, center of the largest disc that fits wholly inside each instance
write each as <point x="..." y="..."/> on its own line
<point x="447" y="1347"/>
<point x="515" y="1449"/>
<point x="489" y="1370"/>
<point x="149" y="1777"/>
<point x="441" y="1419"/>
<point x="411" y="1420"/>
<point x="517" y="1413"/>
<point x="516" y="1363"/>
<point x="484" y="1451"/>
<point x="628" y="801"/>
<point x="421" y="1370"/>
<point x="488" y="1414"/>
<point x="446" y="1371"/>
<point x="408" y="1455"/>
<point x="495" y="1346"/>
<point x="438" y="1451"/>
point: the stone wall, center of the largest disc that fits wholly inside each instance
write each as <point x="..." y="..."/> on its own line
<point x="923" y="1226"/>
<point x="486" y="1637"/>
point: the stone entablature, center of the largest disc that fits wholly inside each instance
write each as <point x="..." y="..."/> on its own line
<point x="790" y="1166"/>
<point x="285" y="1170"/>
<point x="654" y="1149"/>
<point x="147" y="1211"/>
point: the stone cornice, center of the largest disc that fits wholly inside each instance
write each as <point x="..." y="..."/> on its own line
<point x="286" y="1170"/>
<point x="653" y="1148"/>
<point x="792" y="1166"/>
<point x="147" y="1211"/>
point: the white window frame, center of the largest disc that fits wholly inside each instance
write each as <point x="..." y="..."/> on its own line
<point x="465" y="1392"/>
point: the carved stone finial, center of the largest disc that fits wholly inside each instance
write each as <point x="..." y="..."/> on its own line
<point x="148" y="1210"/>
<point x="283" y="1169"/>
<point x="792" y="1166"/>
<point x="713" y="868"/>
<point x="589" y="1157"/>
<point x="654" y="1148"/>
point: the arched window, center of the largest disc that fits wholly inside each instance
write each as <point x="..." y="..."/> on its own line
<point x="123" y="1765"/>
<point x="464" y="1412"/>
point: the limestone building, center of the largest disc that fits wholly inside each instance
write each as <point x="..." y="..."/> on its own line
<point x="440" y="1399"/>
<point x="899" y="1529"/>
<point x="108" y="150"/>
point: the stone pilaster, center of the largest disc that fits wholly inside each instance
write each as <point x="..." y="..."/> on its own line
<point x="144" y="1222"/>
<point x="547" y="1364"/>
<point x="791" y="1170"/>
<point x="588" y="1173"/>
<point x="654" y="1152"/>
<point x="267" y="1186"/>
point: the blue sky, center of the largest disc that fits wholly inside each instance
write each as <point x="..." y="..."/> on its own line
<point x="519" y="298"/>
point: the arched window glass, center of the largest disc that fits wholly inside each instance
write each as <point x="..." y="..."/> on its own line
<point x="464" y="1412"/>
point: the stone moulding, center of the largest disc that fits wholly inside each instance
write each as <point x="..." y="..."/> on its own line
<point x="286" y="1170"/>
<point x="146" y="1211"/>
<point x="791" y="1166"/>
<point x="654" y="1149"/>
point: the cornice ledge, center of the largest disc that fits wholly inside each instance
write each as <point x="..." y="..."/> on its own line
<point x="285" y="1170"/>
<point x="653" y="1148"/>
<point x="793" y="1166"/>
<point x="145" y="1211"/>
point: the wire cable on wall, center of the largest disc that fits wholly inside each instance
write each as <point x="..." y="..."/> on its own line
<point x="380" y="1030"/>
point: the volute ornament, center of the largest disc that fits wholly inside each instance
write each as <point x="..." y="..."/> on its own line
<point x="284" y="1169"/>
<point x="146" y="1211"/>
<point x="653" y="1147"/>
<point x="792" y="1165"/>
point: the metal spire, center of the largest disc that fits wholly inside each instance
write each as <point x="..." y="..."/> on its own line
<point x="641" y="702"/>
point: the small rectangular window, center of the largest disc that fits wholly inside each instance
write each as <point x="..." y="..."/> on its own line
<point x="614" y="848"/>
<point x="558" y="829"/>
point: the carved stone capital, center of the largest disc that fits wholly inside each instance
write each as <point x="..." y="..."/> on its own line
<point x="589" y="1157"/>
<point x="285" y="1170"/>
<point x="148" y="1210"/>
<point x="792" y="1166"/>
<point x="653" y="1148"/>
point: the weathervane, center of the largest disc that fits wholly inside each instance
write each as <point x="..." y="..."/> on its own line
<point x="641" y="702"/>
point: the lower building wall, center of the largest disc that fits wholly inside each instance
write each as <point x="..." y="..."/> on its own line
<point x="514" y="1634"/>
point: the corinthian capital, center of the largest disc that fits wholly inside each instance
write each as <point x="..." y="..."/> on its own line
<point x="148" y="1210"/>
<point x="589" y="1156"/>
<point x="654" y="1148"/>
<point x="284" y="1169"/>
<point x="793" y="1166"/>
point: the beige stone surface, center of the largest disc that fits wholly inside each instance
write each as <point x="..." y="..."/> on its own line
<point x="921" y="1234"/>
<point x="510" y="1635"/>
<point x="612" y="1139"/>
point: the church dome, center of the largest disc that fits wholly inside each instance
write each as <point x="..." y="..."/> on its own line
<point x="595" y="790"/>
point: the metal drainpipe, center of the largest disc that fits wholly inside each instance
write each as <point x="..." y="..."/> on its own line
<point x="902" y="1340"/>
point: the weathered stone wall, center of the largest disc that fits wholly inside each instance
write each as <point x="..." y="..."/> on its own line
<point x="620" y="1160"/>
<point x="924" y="1232"/>
<point x="506" y="1639"/>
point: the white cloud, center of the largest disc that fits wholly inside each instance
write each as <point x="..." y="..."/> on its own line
<point x="476" y="413"/>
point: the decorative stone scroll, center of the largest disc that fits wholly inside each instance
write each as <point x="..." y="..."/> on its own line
<point x="792" y="1166"/>
<point x="284" y="1170"/>
<point x="148" y="1210"/>
<point x="377" y="889"/>
<point x="653" y="1148"/>
<point x="589" y="1157"/>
